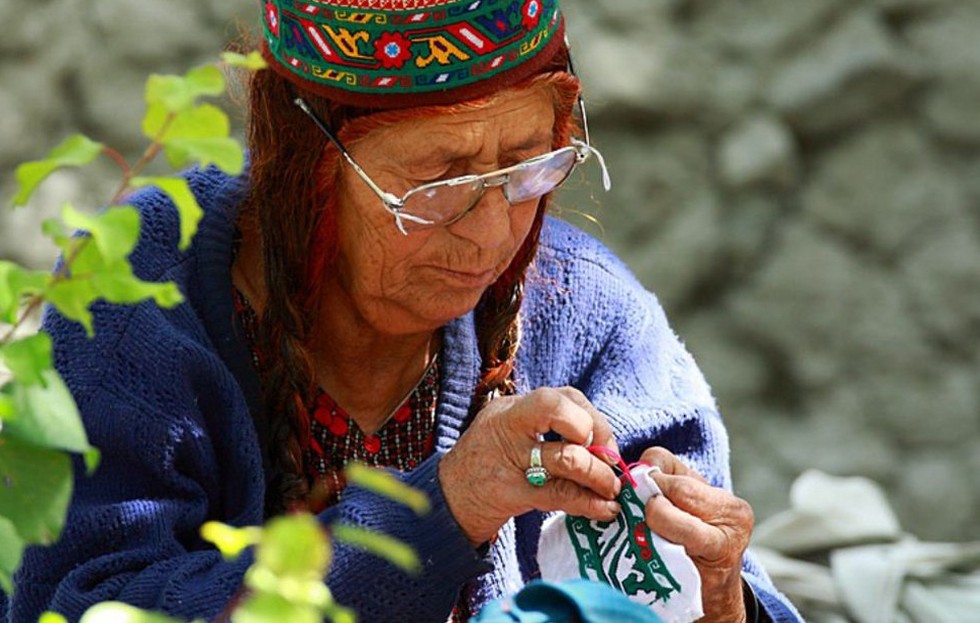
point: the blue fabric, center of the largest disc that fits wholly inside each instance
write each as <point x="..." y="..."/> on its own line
<point x="165" y="394"/>
<point x="577" y="601"/>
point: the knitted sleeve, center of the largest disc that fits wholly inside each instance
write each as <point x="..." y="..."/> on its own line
<point x="178" y="449"/>
<point x="615" y="344"/>
<point x="163" y="413"/>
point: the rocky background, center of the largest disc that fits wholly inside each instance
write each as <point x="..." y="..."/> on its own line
<point x="799" y="180"/>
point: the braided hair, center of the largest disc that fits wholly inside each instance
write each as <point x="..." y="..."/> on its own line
<point x="291" y="208"/>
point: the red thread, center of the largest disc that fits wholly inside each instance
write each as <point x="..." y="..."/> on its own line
<point x="604" y="452"/>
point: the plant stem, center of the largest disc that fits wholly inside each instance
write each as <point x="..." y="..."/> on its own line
<point x="152" y="151"/>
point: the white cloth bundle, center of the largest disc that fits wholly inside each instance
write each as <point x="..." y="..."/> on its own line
<point x="625" y="554"/>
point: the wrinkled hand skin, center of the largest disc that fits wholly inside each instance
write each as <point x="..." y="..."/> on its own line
<point x="482" y="477"/>
<point x="712" y="524"/>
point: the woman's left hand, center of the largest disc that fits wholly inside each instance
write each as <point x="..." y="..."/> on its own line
<point x="711" y="523"/>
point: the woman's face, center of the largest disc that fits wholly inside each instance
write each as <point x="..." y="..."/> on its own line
<point x="406" y="284"/>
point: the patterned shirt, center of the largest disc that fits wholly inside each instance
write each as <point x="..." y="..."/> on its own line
<point x="403" y="441"/>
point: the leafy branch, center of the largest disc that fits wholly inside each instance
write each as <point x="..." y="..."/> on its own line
<point x="39" y="422"/>
<point x="40" y="426"/>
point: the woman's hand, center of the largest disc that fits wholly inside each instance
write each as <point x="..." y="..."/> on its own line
<point x="482" y="477"/>
<point x="711" y="523"/>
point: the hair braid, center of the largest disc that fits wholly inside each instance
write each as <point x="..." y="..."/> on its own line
<point x="282" y="205"/>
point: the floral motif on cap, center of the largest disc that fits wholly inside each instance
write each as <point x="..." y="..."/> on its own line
<point x="392" y="49"/>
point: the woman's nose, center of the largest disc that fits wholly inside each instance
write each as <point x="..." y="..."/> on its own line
<point x="487" y="224"/>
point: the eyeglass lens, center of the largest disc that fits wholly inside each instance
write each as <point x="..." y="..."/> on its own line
<point x="445" y="203"/>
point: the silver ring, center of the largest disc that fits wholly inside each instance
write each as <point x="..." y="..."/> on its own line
<point x="589" y="439"/>
<point x="536" y="475"/>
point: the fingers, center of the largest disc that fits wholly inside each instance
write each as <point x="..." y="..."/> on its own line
<point x="713" y="524"/>
<point x="668" y="463"/>
<point x="565" y="495"/>
<point x="566" y="411"/>
<point x="602" y="434"/>
<point x="700" y="539"/>
<point x="571" y="462"/>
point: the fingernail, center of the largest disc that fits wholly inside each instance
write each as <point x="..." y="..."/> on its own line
<point x="614" y="507"/>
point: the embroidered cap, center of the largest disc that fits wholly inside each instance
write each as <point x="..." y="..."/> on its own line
<point x="402" y="53"/>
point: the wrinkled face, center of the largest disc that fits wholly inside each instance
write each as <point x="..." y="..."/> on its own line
<point x="404" y="284"/>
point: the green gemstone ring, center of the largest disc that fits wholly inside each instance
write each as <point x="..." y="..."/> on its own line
<point x="536" y="475"/>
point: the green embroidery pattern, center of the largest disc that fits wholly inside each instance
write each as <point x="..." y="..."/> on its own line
<point x="621" y="553"/>
<point x="408" y="51"/>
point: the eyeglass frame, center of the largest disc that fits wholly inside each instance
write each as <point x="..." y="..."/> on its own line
<point x="395" y="205"/>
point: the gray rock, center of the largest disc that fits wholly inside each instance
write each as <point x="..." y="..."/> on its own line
<point x="736" y="372"/>
<point x="31" y="103"/>
<point x="685" y="252"/>
<point x="831" y="434"/>
<point x="940" y="405"/>
<point x="944" y="285"/>
<point x="765" y="27"/>
<point x="664" y="75"/>
<point x="825" y="314"/>
<point x="846" y="77"/>
<point x="655" y="177"/>
<point x="946" y="40"/>
<point x="759" y="151"/>
<point x="951" y="111"/>
<point x="935" y="480"/>
<point x="908" y="6"/>
<point x="883" y="190"/>
<point x="153" y="33"/>
<point x="749" y="222"/>
<point x="111" y="102"/>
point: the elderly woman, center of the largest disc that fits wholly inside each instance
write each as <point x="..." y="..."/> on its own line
<point x="384" y="286"/>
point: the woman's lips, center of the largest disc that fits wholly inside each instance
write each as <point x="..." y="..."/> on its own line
<point x="467" y="279"/>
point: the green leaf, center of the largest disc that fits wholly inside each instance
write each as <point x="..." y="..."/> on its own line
<point x="10" y="554"/>
<point x="229" y="540"/>
<point x="384" y="483"/>
<point x="177" y="93"/>
<point x="7" y="412"/>
<point x="252" y="62"/>
<point x="339" y="614"/>
<point x="187" y="206"/>
<point x="115" y="231"/>
<point x="72" y="299"/>
<point x="16" y="283"/>
<point x="270" y="608"/>
<point x="28" y="358"/>
<point x="378" y="544"/>
<point x="35" y="487"/>
<point x="224" y="153"/>
<point x="75" y="151"/>
<point x="117" y="284"/>
<point x="47" y="417"/>
<point x="117" y="612"/>
<point x="200" y="134"/>
<point x="156" y="121"/>
<point x="295" y="545"/>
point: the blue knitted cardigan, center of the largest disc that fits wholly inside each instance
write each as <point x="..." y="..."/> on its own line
<point x="166" y="395"/>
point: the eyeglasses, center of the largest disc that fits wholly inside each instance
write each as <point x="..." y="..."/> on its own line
<point x="444" y="202"/>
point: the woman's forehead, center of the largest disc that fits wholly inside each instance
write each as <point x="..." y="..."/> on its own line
<point x="514" y="120"/>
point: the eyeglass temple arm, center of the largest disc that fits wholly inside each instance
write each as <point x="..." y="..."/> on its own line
<point x="390" y="201"/>
<point x="606" y="180"/>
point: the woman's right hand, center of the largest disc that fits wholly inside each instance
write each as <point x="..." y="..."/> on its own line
<point x="483" y="479"/>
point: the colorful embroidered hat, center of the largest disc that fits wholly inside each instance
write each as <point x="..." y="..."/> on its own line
<point x="402" y="53"/>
